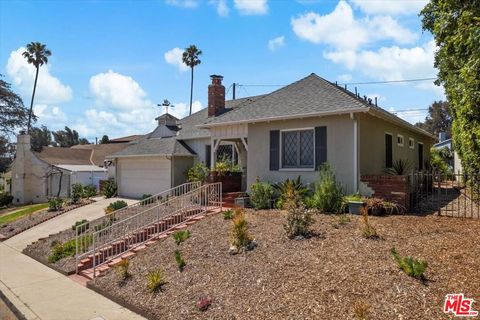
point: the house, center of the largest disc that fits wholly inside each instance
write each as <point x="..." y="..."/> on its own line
<point x="283" y="134"/>
<point x="36" y="176"/>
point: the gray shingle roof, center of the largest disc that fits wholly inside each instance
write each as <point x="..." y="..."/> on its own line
<point x="308" y="96"/>
<point x="155" y="146"/>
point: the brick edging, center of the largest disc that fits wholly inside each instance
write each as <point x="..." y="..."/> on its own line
<point x="3" y="238"/>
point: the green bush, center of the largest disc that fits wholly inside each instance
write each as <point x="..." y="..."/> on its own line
<point x="68" y="249"/>
<point x="80" y="222"/>
<point x="109" y="189"/>
<point x="180" y="261"/>
<point x="5" y="199"/>
<point x="89" y="191"/>
<point x="261" y="195"/>
<point x="55" y="204"/>
<point x="146" y="199"/>
<point x="240" y="236"/>
<point x="181" y="236"/>
<point x="114" y="206"/>
<point x="440" y="160"/>
<point x="199" y="172"/>
<point x="77" y="192"/>
<point x="228" y="215"/>
<point x="155" y="280"/>
<point x="328" y="193"/>
<point x="290" y="191"/>
<point x="412" y="267"/>
<point x="299" y="221"/>
<point x="122" y="269"/>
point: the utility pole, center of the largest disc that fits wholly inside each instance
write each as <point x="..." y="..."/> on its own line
<point x="233" y="91"/>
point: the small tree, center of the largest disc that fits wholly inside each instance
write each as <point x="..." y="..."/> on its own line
<point x="328" y="194"/>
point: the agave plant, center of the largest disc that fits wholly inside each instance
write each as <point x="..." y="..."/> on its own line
<point x="290" y="190"/>
<point x="399" y="167"/>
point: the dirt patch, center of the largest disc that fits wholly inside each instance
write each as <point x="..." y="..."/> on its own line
<point x="29" y="221"/>
<point x="318" y="278"/>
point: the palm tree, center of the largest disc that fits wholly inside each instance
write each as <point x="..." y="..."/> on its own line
<point x="36" y="54"/>
<point x="190" y="58"/>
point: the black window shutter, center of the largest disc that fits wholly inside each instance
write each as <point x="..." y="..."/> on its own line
<point x="208" y="155"/>
<point x="320" y="146"/>
<point x="274" y="150"/>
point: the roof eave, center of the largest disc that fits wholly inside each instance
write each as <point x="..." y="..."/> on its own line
<point x="151" y="155"/>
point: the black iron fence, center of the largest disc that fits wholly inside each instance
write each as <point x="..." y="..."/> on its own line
<point x="452" y="195"/>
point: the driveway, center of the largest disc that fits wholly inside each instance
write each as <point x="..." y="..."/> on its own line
<point x="42" y="293"/>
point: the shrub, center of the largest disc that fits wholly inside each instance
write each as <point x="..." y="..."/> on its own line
<point x="261" y="195"/>
<point x="5" y="199"/>
<point x="290" y="190"/>
<point x="114" y="206"/>
<point x="55" y="204"/>
<point x="199" y="172"/>
<point x="222" y="167"/>
<point x="89" y="191"/>
<point x="68" y="249"/>
<point x="203" y="303"/>
<point x="180" y="261"/>
<point x="328" y="193"/>
<point x="240" y="236"/>
<point x="144" y="201"/>
<point x="77" y="192"/>
<point x="109" y="189"/>
<point x="80" y="222"/>
<point x="399" y="167"/>
<point x="122" y="269"/>
<point x="155" y="280"/>
<point x="361" y="310"/>
<point x="368" y="231"/>
<point x="228" y="215"/>
<point x="412" y="267"/>
<point x="298" y="222"/>
<point x="104" y="224"/>
<point x="181" y="236"/>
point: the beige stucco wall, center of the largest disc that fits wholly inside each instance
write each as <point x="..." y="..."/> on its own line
<point x="180" y="166"/>
<point x="372" y="144"/>
<point x="340" y="153"/>
<point x="198" y="145"/>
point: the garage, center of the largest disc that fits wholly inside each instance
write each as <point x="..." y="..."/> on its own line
<point x="137" y="176"/>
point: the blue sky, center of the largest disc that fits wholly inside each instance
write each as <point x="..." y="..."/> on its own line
<point x="113" y="61"/>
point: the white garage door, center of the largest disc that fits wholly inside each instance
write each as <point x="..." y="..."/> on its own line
<point x="139" y="176"/>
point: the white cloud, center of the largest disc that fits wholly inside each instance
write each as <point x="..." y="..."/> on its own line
<point x="393" y="7"/>
<point x="50" y="90"/>
<point x="174" y="57"/>
<point x="51" y="116"/>
<point x="345" y="77"/>
<point x="251" y="7"/>
<point x="276" y="43"/>
<point x="189" y="4"/>
<point x="222" y="8"/>
<point x="181" y="109"/>
<point x="341" y="30"/>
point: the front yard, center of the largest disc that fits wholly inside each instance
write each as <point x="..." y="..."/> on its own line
<point x="327" y="276"/>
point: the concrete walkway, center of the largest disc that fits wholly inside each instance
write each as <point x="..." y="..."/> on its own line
<point x="42" y="293"/>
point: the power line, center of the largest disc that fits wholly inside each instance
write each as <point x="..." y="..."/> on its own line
<point x="347" y="83"/>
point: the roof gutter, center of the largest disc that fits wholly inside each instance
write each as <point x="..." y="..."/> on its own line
<point x="150" y="155"/>
<point x="289" y="117"/>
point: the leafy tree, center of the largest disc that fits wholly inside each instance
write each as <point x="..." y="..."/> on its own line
<point x="190" y="58"/>
<point x="438" y="120"/>
<point x="105" y="140"/>
<point x="7" y="150"/>
<point x="13" y="114"/>
<point x="456" y="29"/>
<point x="68" y="138"/>
<point x="36" y="54"/>
<point x="41" y="137"/>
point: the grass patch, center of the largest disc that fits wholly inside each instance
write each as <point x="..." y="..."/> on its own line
<point x="22" y="212"/>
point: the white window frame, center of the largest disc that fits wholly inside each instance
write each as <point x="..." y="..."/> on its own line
<point x="400" y="144"/>
<point x="281" y="150"/>
<point x="411" y="143"/>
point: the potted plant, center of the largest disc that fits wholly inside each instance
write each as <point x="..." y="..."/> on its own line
<point x="236" y="170"/>
<point x="355" y="203"/>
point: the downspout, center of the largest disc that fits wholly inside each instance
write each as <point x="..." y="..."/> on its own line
<point x="355" y="153"/>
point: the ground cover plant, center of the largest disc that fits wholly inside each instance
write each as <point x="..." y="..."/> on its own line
<point x="180" y="236"/>
<point x="68" y="248"/>
<point x="114" y="206"/>
<point x="412" y="267"/>
<point x="23" y="212"/>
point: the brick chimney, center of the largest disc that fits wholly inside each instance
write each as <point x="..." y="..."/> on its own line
<point x="216" y="96"/>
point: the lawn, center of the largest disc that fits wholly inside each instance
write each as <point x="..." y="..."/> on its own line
<point x="22" y="212"/>
<point x="327" y="276"/>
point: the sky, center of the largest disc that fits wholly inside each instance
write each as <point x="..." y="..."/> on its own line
<point x="113" y="61"/>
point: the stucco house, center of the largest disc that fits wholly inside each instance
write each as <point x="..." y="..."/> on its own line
<point x="283" y="134"/>
<point x="36" y="176"/>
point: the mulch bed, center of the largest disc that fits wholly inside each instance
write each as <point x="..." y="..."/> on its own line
<point x="322" y="277"/>
<point x="13" y="228"/>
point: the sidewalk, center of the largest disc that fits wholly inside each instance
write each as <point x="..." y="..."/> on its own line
<point x="42" y="293"/>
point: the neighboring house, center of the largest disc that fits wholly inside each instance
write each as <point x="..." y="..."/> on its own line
<point x="275" y="136"/>
<point x="36" y="176"/>
<point x="448" y="143"/>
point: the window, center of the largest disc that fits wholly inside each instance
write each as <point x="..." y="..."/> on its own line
<point x="298" y="149"/>
<point x="411" y="143"/>
<point x="388" y="150"/>
<point x="400" y="140"/>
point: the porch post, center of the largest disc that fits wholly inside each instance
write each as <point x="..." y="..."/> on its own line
<point x="212" y="154"/>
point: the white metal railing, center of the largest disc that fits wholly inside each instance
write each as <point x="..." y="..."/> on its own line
<point x="121" y="235"/>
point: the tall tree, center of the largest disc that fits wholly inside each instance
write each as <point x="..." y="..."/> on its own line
<point x="13" y="114"/>
<point x="104" y="139"/>
<point x="438" y="119"/>
<point x="190" y="58"/>
<point x="7" y="151"/>
<point x="41" y="137"/>
<point x="456" y="28"/>
<point x="36" y="54"/>
<point x="68" y="138"/>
